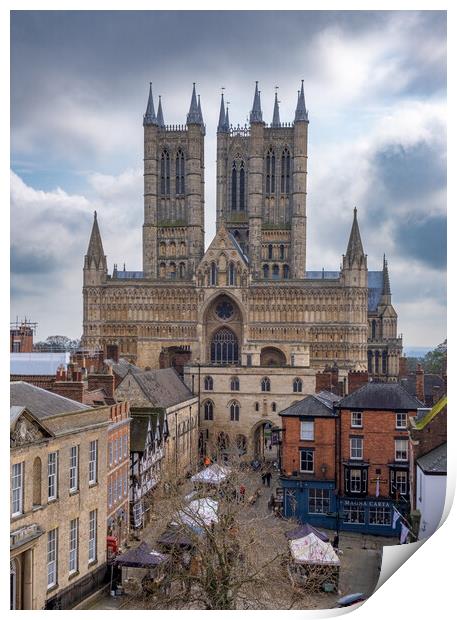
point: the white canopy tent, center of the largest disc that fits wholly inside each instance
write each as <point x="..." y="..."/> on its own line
<point x="312" y="550"/>
<point x="198" y="514"/>
<point x="214" y="474"/>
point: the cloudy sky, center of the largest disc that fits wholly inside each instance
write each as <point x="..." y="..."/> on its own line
<point x="375" y="86"/>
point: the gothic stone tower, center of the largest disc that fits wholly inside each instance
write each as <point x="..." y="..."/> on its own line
<point x="261" y="189"/>
<point x="173" y="230"/>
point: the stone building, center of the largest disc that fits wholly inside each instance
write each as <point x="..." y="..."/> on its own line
<point x="58" y="498"/>
<point x="247" y="306"/>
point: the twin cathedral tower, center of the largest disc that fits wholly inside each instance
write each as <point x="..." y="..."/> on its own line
<point x="248" y="300"/>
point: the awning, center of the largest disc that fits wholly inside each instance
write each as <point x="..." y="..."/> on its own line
<point x="214" y="474"/>
<point x="313" y="550"/>
<point x="197" y="514"/>
<point x="174" y="537"/>
<point x="141" y="557"/>
<point x="304" y="530"/>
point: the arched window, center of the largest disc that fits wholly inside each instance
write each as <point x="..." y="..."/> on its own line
<point x="224" y="347"/>
<point x="162" y="249"/>
<point x="285" y="172"/>
<point x="376" y="362"/>
<point x="265" y="385"/>
<point x="242" y="205"/>
<point x="172" y="271"/>
<point x="373" y="329"/>
<point x="281" y="251"/>
<point x="275" y="272"/>
<point x="234" y="186"/>
<point x="285" y="271"/>
<point x="297" y="385"/>
<point x="182" y="249"/>
<point x="37" y="482"/>
<point x="270" y="176"/>
<point x="370" y="361"/>
<point x="208" y="409"/>
<point x="266" y="271"/>
<point x="213" y="275"/>
<point x="172" y="249"/>
<point x="256" y="406"/>
<point x="270" y="251"/>
<point x="182" y="271"/>
<point x="234" y="384"/>
<point x="384" y="362"/>
<point x="234" y="411"/>
<point x="165" y="174"/>
<point x="231" y="275"/>
<point x="162" y="270"/>
<point x="273" y="407"/>
<point x="180" y="172"/>
<point x="208" y="383"/>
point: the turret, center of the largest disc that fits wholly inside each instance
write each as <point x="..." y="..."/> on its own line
<point x="150" y="115"/>
<point x="256" y="112"/>
<point x="355" y="261"/>
<point x="223" y="132"/>
<point x="160" y="120"/>
<point x="301" y="113"/>
<point x="151" y="129"/>
<point x="255" y="184"/>
<point x="222" y="124"/>
<point x="95" y="268"/>
<point x="386" y="296"/>
<point x="276" y="120"/>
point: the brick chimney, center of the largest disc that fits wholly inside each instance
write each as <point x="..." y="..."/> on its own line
<point x="356" y="379"/>
<point x="102" y="381"/>
<point x="328" y="380"/>
<point x="420" y="391"/>
<point x="403" y="367"/>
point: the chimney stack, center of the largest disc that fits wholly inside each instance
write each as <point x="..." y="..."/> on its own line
<point x="420" y="390"/>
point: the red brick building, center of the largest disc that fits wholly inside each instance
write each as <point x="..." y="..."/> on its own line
<point x="373" y="456"/>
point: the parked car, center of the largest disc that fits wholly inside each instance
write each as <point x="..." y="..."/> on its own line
<point x="350" y="599"/>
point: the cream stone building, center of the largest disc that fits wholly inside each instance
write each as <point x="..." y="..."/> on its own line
<point x="58" y="498"/>
<point x="247" y="303"/>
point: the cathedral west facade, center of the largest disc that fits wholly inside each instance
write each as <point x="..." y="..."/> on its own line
<point x="245" y="318"/>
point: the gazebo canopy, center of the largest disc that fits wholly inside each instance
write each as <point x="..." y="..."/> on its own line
<point x="304" y="530"/>
<point x="141" y="557"/>
<point x="197" y="514"/>
<point x="174" y="537"/>
<point x="214" y="474"/>
<point x="313" y="550"/>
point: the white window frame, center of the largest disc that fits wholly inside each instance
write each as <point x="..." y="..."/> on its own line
<point x="356" y="450"/>
<point x="353" y="422"/>
<point x="380" y="515"/>
<point x="401" y="451"/>
<point x="307" y="471"/>
<point x="355" y="481"/>
<point x="51" y="558"/>
<point x="17" y="489"/>
<point x="110" y="452"/>
<point x="53" y="468"/>
<point x="73" y="546"/>
<point x="93" y="458"/>
<point x="92" y="540"/>
<point x="321" y="499"/>
<point x="307" y="430"/>
<point x="403" y="417"/>
<point x="74" y="468"/>
<point x="403" y="483"/>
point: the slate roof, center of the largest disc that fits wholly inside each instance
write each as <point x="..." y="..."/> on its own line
<point x="383" y="396"/>
<point x="163" y="388"/>
<point x="375" y="285"/>
<point x="244" y="258"/>
<point x="435" y="461"/>
<point x="319" y="405"/>
<point x="128" y="275"/>
<point x="15" y="412"/>
<point x="430" y="382"/>
<point x="322" y="275"/>
<point x="37" y="363"/>
<point x="41" y="403"/>
<point x="122" y="367"/>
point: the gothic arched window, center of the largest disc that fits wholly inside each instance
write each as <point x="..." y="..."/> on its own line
<point x="172" y="271"/>
<point x="213" y="275"/>
<point x="234" y="411"/>
<point x="370" y="361"/>
<point x="275" y="272"/>
<point x="270" y="176"/>
<point x="281" y="251"/>
<point x="231" y="275"/>
<point x="270" y="251"/>
<point x="182" y="271"/>
<point x="373" y="329"/>
<point x="162" y="249"/>
<point x="285" y="171"/>
<point x="162" y="270"/>
<point x="265" y="385"/>
<point x="180" y="172"/>
<point x="297" y="385"/>
<point x="273" y="407"/>
<point x="285" y="271"/>
<point x="165" y="173"/>
<point x="224" y="347"/>
<point x="266" y="271"/>
<point x="376" y="362"/>
<point x="384" y="362"/>
<point x="208" y="383"/>
<point x="234" y="384"/>
<point x="242" y="186"/>
<point x="234" y="186"/>
<point x="208" y="409"/>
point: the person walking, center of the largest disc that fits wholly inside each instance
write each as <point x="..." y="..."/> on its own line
<point x="268" y="477"/>
<point x="263" y="478"/>
<point x="242" y="493"/>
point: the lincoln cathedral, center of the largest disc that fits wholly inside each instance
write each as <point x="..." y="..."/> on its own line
<point x="244" y="322"/>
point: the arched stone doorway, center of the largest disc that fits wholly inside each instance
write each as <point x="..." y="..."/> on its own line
<point x="223" y="331"/>
<point x="263" y="446"/>
<point x="273" y="357"/>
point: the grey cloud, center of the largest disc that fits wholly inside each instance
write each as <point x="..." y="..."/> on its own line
<point x="30" y="262"/>
<point x="424" y="240"/>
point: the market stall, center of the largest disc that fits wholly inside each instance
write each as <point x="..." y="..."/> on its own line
<point x="214" y="475"/>
<point x="304" y="530"/>
<point x="152" y="565"/>
<point x="313" y="565"/>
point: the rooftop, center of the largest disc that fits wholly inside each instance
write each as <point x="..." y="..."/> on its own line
<point x="163" y="387"/>
<point x="37" y="363"/>
<point x="41" y="403"/>
<point x="382" y="396"/>
<point x="319" y="405"/>
<point x="435" y="461"/>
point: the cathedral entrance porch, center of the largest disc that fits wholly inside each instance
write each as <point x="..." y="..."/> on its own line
<point x="263" y="446"/>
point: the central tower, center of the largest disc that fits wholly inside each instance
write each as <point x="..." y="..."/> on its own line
<point x="261" y="188"/>
<point x="173" y="230"/>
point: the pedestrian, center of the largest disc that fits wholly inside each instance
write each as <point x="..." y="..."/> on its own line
<point x="336" y="541"/>
<point x="207" y="461"/>
<point x="268" y="475"/>
<point x="242" y="493"/>
<point x="271" y="502"/>
<point x="263" y="478"/>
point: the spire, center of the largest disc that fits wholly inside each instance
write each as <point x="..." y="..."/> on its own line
<point x="355" y="248"/>
<point x="95" y="251"/>
<point x="221" y="125"/>
<point x="256" y="112"/>
<point x="301" y="113"/>
<point x="227" y="121"/>
<point x="385" y="278"/>
<point x="194" y="113"/>
<point x="276" y="121"/>
<point x="150" y="116"/>
<point x="160" y="120"/>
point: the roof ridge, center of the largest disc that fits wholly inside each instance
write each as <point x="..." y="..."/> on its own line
<point x="53" y="394"/>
